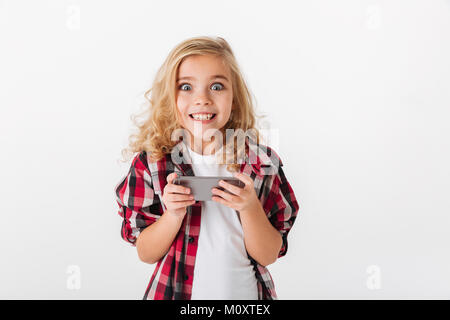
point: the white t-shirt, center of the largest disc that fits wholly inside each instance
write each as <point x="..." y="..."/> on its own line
<point x="222" y="269"/>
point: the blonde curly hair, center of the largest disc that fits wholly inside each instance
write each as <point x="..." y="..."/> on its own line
<point x="157" y="122"/>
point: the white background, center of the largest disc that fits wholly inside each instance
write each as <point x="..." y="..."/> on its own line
<point x="359" y="92"/>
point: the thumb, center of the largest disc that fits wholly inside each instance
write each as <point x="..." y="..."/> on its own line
<point x="171" y="177"/>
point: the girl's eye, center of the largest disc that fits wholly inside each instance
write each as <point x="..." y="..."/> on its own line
<point x="182" y="86"/>
<point x="220" y="85"/>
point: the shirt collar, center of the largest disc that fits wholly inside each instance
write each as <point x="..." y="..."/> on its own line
<point x="262" y="159"/>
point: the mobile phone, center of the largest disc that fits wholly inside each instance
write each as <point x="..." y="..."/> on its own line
<point x="201" y="186"/>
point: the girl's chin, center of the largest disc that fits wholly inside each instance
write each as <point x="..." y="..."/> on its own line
<point x="206" y="134"/>
<point x="202" y="129"/>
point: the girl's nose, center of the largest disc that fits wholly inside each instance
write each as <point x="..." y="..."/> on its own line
<point x="202" y="99"/>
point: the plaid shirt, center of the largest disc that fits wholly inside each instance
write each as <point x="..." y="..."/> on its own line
<point x="139" y="196"/>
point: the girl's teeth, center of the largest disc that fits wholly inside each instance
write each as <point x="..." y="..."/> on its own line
<point x="202" y="116"/>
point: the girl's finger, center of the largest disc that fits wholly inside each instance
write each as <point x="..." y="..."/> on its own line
<point x="182" y="204"/>
<point x="225" y="195"/>
<point x="175" y="188"/>
<point x="244" y="178"/>
<point x="232" y="188"/>
<point x="171" y="177"/>
<point x="178" y="197"/>
<point x="221" y="201"/>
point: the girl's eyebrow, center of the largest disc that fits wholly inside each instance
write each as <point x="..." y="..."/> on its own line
<point x="216" y="76"/>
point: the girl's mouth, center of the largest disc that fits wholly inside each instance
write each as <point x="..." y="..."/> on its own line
<point x="203" y="118"/>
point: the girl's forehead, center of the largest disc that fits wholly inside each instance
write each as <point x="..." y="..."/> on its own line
<point x="203" y="65"/>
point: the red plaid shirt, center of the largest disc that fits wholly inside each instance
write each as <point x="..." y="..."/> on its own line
<point x="139" y="196"/>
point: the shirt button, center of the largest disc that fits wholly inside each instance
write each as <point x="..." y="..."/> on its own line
<point x="186" y="277"/>
<point x="191" y="239"/>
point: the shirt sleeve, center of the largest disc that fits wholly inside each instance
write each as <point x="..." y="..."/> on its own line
<point x="282" y="207"/>
<point x="139" y="206"/>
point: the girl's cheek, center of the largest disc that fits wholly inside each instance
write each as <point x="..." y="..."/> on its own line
<point x="182" y="105"/>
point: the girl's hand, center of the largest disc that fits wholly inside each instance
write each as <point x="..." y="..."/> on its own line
<point x="176" y="198"/>
<point x="241" y="199"/>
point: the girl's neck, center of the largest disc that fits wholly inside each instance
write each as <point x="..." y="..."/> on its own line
<point x="202" y="147"/>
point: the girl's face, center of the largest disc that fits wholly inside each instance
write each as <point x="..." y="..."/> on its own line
<point x="203" y="87"/>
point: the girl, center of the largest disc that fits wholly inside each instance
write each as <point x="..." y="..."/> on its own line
<point x="216" y="249"/>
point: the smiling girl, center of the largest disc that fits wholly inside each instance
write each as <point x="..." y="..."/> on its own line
<point x="216" y="249"/>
